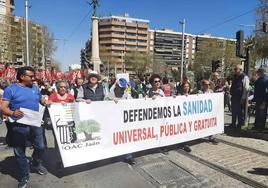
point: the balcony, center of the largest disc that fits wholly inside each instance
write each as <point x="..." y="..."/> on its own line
<point x="105" y="35"/>
<point x="117" y="48"/>
<point x="114" y="35"/>
<point x="105" y="29"/>
<point x="142" y="50"/>
<point x="131" y="43"/>
<point x="142" y="44"/>
<point x="131" y="37"/>
<point x="111" y="23"/>
<point x="118" y="29"/>
<point x="131" y="31"/>
<point x="142" y="32"/>
<point x="143" y="26"/>
<point x="142" y="38"/>
<point x="131" y="24"/>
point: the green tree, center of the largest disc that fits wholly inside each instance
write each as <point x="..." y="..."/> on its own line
<point x="207" y="52"/>
<point x="107" y="59"/>
<point x="140" y="63"/>
<point x="229" y="58"/>
<point x="261" y="38"/>
<point x="88" y="127"/>
<point x="213" y="50"/>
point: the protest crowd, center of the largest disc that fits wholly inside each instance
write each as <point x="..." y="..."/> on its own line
<point x="26" y="88"/>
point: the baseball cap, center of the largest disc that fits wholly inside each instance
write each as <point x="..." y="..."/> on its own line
<point x="122" y="83"/>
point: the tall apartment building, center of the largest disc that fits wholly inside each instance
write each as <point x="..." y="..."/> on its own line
<point x="12" y="38"/>
<point x="119" y="35"/>
<point x="18" y="47"/>
<point x="6" y="15"/>
<point x="6" y="7"/>
<point x="166" y="45"/>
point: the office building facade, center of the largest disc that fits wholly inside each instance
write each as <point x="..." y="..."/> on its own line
<point x="166" y="46"/>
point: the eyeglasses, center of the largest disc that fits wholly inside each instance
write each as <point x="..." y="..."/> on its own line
<point x="31" y="76"/>
<point x="156" y="81"/>
<point x="62" y="87"/>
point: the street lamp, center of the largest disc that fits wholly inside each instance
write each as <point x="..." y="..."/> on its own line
<point x="27" y="33"/>
<point x="122" y="62"/>
<point x="182" y="48"/>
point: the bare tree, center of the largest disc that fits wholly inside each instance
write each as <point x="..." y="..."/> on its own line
<point x="48" y="42"/>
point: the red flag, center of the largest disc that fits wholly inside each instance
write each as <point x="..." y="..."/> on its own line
<point x="66" y="75"/>
<point x="43" y="74"/>
<point x="73" y="76"/>
<point x="38" y="75"/>
<point x="59" y="76"/>
<point x="10" y="73"/>
<point x="2" y="70"/>
<point x="78" y="74"/>
<point x="48" y="75"/>
<point x="54" y="74"/>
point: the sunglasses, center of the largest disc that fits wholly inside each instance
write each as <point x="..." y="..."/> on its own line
<point x="31" y="76"/>
<point x="156" y="81"/>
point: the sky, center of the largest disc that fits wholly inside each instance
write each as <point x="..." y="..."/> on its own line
<point x="70" y="21"/>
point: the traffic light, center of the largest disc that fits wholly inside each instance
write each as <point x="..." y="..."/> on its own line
<point x="265" y="27"/>
<point x="215" y="65"/>
<point x="240" y="43"/>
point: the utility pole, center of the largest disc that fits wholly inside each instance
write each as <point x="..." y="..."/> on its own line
<point x="182" y="48"/>
<point x="122" y="62"/>
<point x="27" y="33"/>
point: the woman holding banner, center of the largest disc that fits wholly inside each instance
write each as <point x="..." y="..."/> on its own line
<point x="205" y="89"/>
<point x="184" y="90"/>
<point x="155" y="91"/>
<point x="62" y="95"/>
<point x="119" y="91"/>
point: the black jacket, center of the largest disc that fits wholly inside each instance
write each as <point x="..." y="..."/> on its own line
<point x="237" y="87"/>
<point x="98" y="95"/>
<point x="260" y="88"/>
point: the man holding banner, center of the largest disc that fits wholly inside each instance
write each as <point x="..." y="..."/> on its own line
<point x="22" y="100"/>
<point x="93" y="91"/>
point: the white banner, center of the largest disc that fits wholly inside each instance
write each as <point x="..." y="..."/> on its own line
<point x="100" y="130"/>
